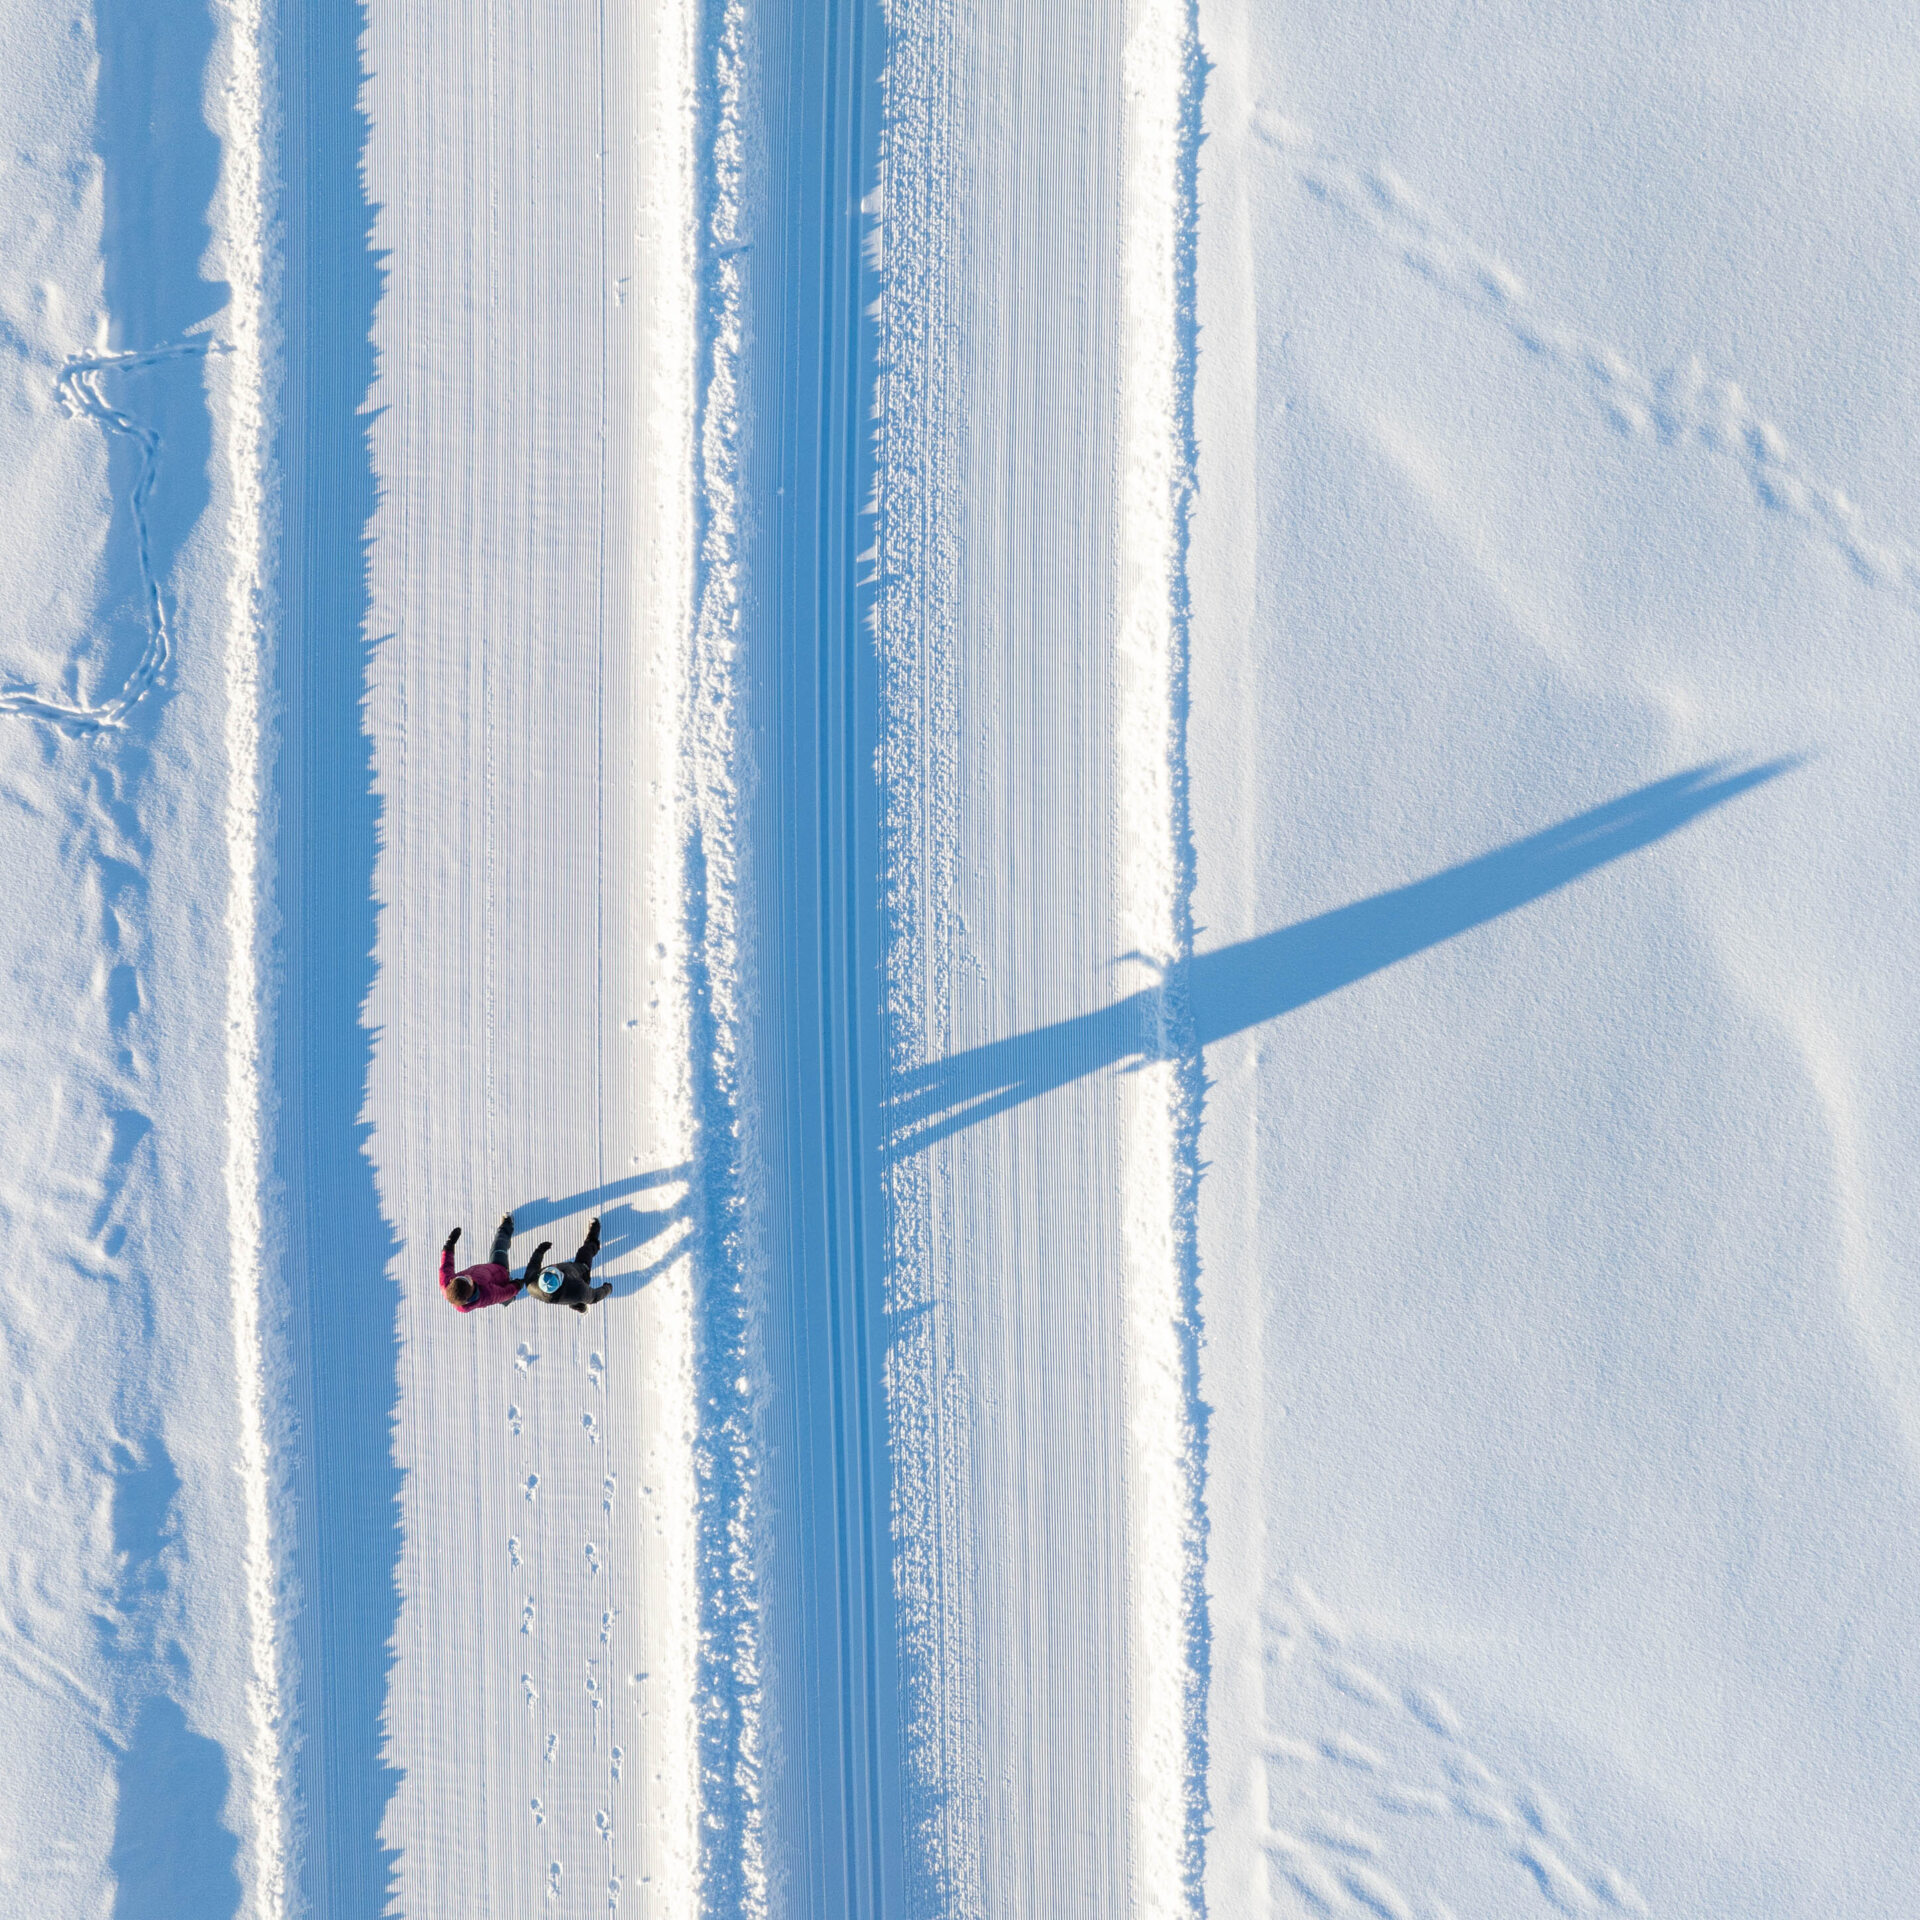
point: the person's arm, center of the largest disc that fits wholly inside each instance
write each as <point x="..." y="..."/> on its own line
<point x="533" y="1265"/>
<point x="446" y="1257"/>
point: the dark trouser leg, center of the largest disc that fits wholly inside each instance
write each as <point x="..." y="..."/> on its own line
<point x="588" y="1248"/>
<point x="502" y="1242"/>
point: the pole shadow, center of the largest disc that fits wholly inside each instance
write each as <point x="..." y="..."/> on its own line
<point x="1214" y="995"/>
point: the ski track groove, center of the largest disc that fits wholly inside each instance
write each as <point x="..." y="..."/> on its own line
<point x="824" y="730"/>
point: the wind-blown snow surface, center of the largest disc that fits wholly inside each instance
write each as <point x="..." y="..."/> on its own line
<point x="141" y="1681"/>
<point x="1200" y="842"/>
<point x="1556" y="440"/>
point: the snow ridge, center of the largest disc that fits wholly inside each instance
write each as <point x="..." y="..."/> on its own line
<point x="1161" y="80"/>
<point x="249" y="144"/>
<point x="733" y="1276"/>
<point x="914" y="612"/>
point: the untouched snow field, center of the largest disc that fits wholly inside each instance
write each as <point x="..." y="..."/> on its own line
<point x="1169" y="744"/>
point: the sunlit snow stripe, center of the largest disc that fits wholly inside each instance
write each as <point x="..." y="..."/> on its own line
<point x="667" y="283"/>
<point x="730" y="1347"/>
<point x="1153" y="908"/>
<point x="244" y="221"/>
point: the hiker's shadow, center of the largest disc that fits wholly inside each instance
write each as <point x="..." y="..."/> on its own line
<point x="659" y="1228"/>
<point x="658" y="1234"/>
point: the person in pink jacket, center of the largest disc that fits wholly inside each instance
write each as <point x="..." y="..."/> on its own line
<point x="490" y="1284"/>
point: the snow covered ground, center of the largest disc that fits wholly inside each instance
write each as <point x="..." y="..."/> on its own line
<point x="1168" y="742"/>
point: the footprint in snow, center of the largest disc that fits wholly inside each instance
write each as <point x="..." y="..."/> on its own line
<point x="593" y="1558"/>
<point x="596" y="1366"/>
<point x="529" y="1689"/>
<point x="606" y="1494"/>
<point x="603" y="1824"/>
<point x="513" y="1551"/>
<point x="523" y="1357"/>
<point x="539" y="1813"/>
<point x="591" y="1427"/>
<point x="553" y="1880"/>
<point x="526" y="1616"/>
<point x="532" y="1485"/>
<point x="618" y="1756"/>
<point x="513" y="1421"/>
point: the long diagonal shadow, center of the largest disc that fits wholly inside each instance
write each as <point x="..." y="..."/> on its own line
<point x="1225" y="992"/>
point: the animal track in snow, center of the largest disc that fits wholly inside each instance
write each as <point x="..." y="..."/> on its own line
<point x="513" y="1421"/>
<point x="523" y="1357"/>
<point x="78" y="392"/>
<point x="1686" y="402"/>
<point x="531" y="1485"/>
<point x="1377" y="1804"/>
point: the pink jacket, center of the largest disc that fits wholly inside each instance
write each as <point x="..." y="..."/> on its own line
<point x="493" y="1285"/>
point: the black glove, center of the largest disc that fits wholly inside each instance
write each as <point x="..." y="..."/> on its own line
<point x="540" y="1252"/>
<point x="506" y="1223"/>
<point x="452" y="1240"/>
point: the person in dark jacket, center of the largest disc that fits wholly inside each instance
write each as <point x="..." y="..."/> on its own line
<point x="490" y="1284"/>
<point x="568" y="1283"/>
